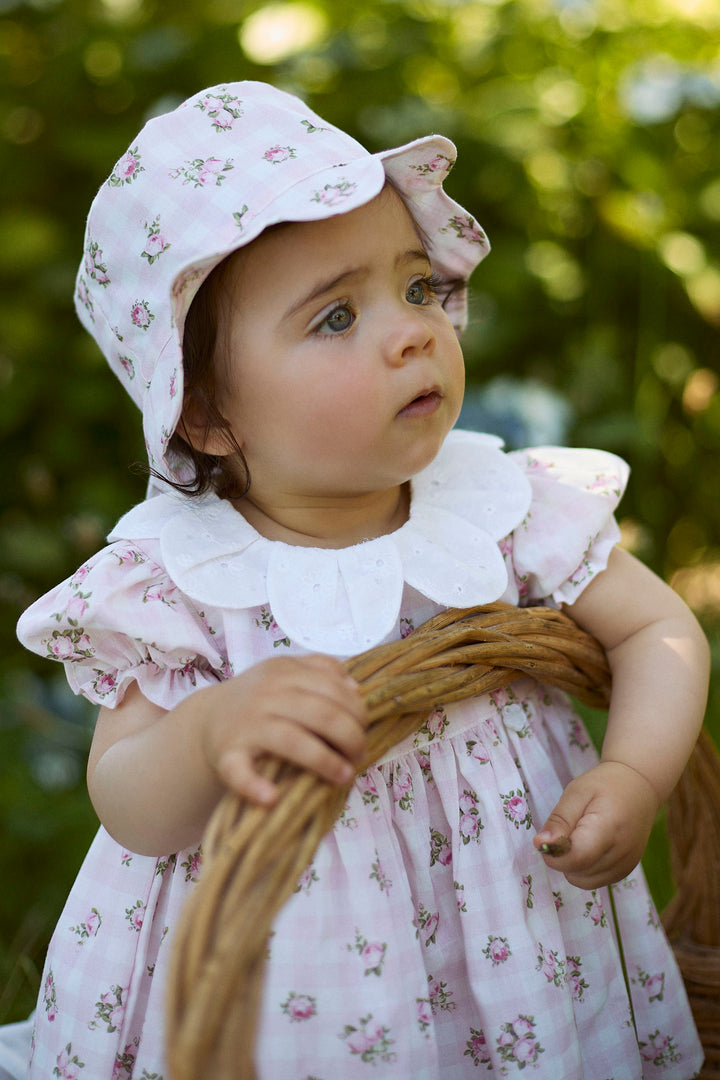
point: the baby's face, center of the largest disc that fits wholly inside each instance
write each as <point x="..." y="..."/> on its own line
<point x="341" y="372"/>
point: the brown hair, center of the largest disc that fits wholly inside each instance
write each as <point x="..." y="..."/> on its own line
<point x="227" y="475"/>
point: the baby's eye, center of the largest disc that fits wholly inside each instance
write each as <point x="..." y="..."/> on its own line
<point x="340" y="319"/>
<point x="421" y="291"/>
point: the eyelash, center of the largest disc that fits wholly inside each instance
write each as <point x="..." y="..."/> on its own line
<point x="431" y="282"/>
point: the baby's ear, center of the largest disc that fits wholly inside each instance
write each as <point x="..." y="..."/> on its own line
<point x="205" y="429"/>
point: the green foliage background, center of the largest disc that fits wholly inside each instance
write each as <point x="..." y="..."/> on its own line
<point x="589" y="146"/>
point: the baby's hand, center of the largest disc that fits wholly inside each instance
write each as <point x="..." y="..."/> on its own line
<point x="606" y="815"/>
<point x="306" y="710"/>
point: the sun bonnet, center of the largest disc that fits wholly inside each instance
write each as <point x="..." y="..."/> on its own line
<point x="209" y="177"/>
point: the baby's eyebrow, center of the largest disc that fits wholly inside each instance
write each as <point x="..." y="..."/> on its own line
<point x="328" y="284"/>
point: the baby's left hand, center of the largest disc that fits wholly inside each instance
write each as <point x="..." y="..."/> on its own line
<point x="607" y="813"/>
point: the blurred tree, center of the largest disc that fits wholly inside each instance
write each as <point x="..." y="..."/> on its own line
<point x="589" y="149"/>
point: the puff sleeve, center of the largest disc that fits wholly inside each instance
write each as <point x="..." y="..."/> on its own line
<point x="120" y="619"/>
<point x="570" y="529"/>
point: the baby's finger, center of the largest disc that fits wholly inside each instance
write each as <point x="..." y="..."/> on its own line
<point x="236" y="769"/>
<point x="330" y="721"/>
<point x="326" y="675"/>
<point x="298" y="744"/>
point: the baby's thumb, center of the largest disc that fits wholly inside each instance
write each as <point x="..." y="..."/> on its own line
<point x="554" y="837"/>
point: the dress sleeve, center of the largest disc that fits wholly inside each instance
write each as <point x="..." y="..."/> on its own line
<point x="568" y="533"/>
<point x="121" y="619"/>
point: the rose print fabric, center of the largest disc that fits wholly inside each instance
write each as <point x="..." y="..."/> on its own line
<point x="427" y="938"/>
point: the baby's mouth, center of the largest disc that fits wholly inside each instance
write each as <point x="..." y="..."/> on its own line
<point x="423" y="405"/>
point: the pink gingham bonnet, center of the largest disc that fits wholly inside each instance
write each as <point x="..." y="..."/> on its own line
<point x="209" y="177"/>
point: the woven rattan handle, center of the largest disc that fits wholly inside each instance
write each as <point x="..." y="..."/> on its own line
<point x="254" y="856"/>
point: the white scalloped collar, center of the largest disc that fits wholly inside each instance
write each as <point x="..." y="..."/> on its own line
<point x="343" y="601"/>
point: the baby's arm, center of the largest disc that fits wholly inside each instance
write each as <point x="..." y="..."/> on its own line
<point x="154" y="777"/>
<point x="659" y="660"/>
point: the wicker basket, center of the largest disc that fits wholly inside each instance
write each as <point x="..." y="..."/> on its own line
<point x="253" y="856"/>
<point x="692" y="918"/>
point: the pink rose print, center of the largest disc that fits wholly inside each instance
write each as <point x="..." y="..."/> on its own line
<point x="110" y="1009"/>
<point x="68" y="1067"/>
<point x="370" y="1041"/>
<point x="433" y="728"/>
<point x="306" y="880"/>
<point x="125" y="1062"/>
<point x="192" y="866"/>
<point x="141" y="314"/>
<point x="84" y="297"/>
<point x="436" y="722"/>
<point x="470" y="827"/>
<point x="477" y="751"/>
<point x="156" y="593"/>
<point x="402" y="788"/>
<point x="525" y="1051"/>
<point x="135" y="916"/>
<point x="438" y="998"/>
<point x="440" y="851"/>
<point x="368" y="789"/>
<point x="378" y="874"/>
<point x="127" y="365"/>
<point x="550" y="964"/>
<point x="577" y="984"/>
<point x="93" y="921"/>
<point x="156" y="243"/>
<point x="424" y="1013"/>
<point x="71" y="644"/>
<point x="127" y="169"/>
<point x="595" y="911"/>
<point x="210" y="104"/>
<point x="477" y="1048"/>
<point x="440" y="163"/>
<point x="223" y="110"/>
<point x="76" y="608"/>
<point x="465" y="228"/>
<point x="50" y="997"/>
<point x="203" y="172"/>
<point x="497" y="950"/>
<point x="428" y="922"/>
<point x="653" y="985"/>
<point x="517" y="1043"/>
<point x="299" y="1007"/>
<point x="89" y="928"/>
<point x="371" y="953"/>
<point x="94" y="266"/>
<point x="516" y="809"/>
<point x="104" y="684"/>
<point x="277" y="154"/>
<point x="332" y="194"/>
<point x="577" y="735"/>
<point x="468" y="802"/>
<point x="659" y="1049"/>
<point x="406" y="628"/>
<point x="459" y="890"/>
<point x="268" y="622"/>
<point x="62" y="648"/>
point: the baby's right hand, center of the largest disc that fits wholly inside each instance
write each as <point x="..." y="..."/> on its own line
<point x="306" y="710"/>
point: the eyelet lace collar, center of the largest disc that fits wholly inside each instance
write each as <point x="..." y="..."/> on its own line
<point x="343" y="601"/>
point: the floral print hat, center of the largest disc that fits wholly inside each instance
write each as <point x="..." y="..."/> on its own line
<point x="208" y="178"/>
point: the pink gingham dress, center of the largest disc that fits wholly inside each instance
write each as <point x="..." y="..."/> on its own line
<point x="427" y="940"/>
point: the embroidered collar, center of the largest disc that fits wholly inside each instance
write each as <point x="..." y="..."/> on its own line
<point x="343" y="601"/>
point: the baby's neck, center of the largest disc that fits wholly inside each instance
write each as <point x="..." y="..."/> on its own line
<point x="329" y="522"/>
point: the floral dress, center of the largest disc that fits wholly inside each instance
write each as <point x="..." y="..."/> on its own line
<point x="427" y="940"/>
